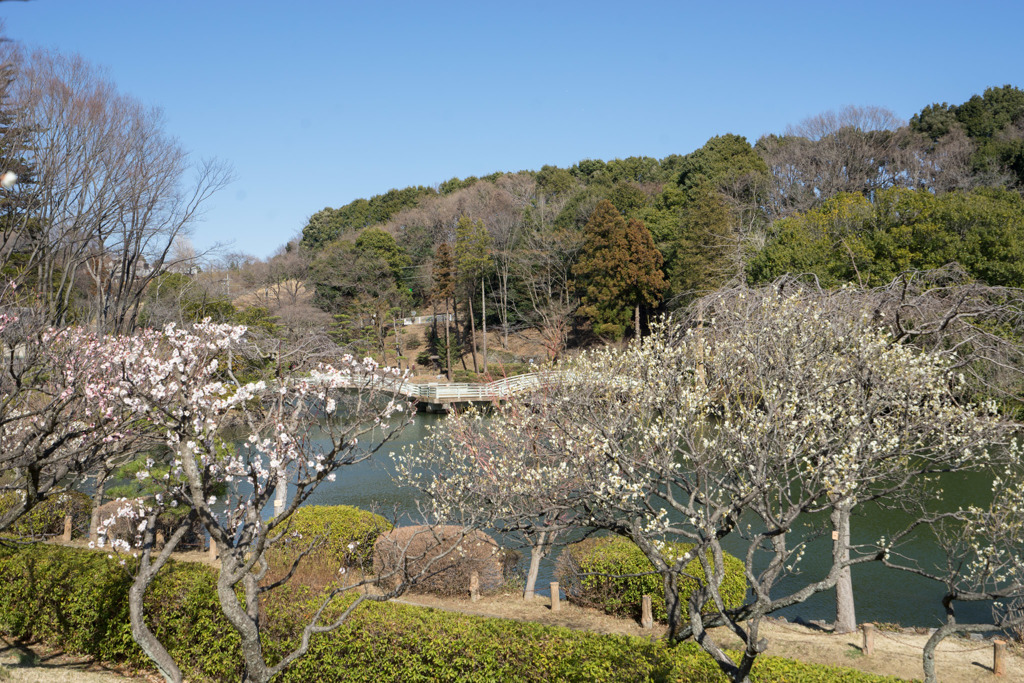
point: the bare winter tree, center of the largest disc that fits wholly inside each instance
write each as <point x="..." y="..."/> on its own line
<point x="544" y="267"/>
<point x="108" y="196"/>
<point x="857" y="149"/>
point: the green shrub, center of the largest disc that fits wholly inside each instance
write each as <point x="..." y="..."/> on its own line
<point x="346" y="534"/>
<point x="77" y="600"/>
<point x="594" y="573"/>
<point x="47" y="518"/>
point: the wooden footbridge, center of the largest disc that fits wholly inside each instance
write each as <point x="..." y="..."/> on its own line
<point x="435" y="397"/>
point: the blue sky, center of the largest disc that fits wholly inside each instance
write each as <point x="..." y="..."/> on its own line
<point x="316" y="103"/>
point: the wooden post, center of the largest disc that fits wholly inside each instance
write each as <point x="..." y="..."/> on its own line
<point x="646" y="618"/>
<point x="474" y="586"/>
<point x="213" y="549"/>
<point x="66" y="538"/>
<point x="999" y="657"/>
<point x="869" y="638"/>
<point x="160" y="540"/>
<point x="555" y="597"/>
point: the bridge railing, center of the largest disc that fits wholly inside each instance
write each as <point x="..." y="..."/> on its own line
<point x="439" y="392"/>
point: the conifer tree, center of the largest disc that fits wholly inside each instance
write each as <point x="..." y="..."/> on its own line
<point x="444" y="288"/>
<point x="619" y="271"/>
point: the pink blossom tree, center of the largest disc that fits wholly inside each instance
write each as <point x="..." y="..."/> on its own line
<point x="183" y="383"/>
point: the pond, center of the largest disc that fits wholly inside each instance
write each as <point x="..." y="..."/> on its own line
<point x="881" y="594"/>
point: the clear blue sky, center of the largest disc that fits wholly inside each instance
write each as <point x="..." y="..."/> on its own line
<point x="316" y="103"/>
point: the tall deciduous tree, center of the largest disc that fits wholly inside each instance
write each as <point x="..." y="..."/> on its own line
<point x="108" y="201"/>
<point x="473" y="262"/>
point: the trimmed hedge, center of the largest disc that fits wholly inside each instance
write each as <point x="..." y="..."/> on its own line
<point x="339" y="526"/>
<point x="47" y="518"/>
<point x="594" y="573"/>
<point x="77" y="599"/>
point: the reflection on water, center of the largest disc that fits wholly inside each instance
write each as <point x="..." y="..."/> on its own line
<point x="882" y="595"/>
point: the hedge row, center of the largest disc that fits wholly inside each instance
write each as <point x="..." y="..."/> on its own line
<point x="47" y="518"/>
<point x="76" y="599"/>
<point x="345" y="534"/>
<point x="611" y="573"/>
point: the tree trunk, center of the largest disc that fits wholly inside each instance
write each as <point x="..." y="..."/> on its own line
<point x="928" y="656"/>
<point x="148" y="569"/>
<point x="97" y="501"/>
<point x="447" y="341"/>
<point x="281" y="492"/>
<point x="252" y="649"/>
<point x="846" y="613"/>
<point x="537" y="553"/>
<point x="483" y="320"/>
<point x="636" y="324"/>
<point x="144" y="637"/>
<point x="398" y="344"/>
<point x="458" y="332"/>
<point x="472" y="333"/>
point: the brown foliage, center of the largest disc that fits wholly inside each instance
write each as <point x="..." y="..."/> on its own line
<point x="445" y="555"/>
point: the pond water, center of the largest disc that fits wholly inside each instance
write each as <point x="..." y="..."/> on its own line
<point x="881" y="594"/>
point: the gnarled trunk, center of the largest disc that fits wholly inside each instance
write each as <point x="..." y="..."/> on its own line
<point x="846" y="613"/>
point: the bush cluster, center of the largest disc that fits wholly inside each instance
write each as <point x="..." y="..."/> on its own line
<point x="77" y="600"/>
<point x="345" y="535"/>
<point x="595" y="572"/>
<point x="47" y="518"/>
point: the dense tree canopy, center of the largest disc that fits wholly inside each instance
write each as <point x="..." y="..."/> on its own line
<point x="850" y="195"/>
<point x="851" y="239"/>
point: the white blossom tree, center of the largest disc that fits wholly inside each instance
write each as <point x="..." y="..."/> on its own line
<point x="980" y="327"/>
<point x="983" y="547"/>
<point x="502" y="469"/>
<point x="697" y="436"/>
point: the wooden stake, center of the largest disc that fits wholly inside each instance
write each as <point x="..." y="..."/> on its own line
<point x="555" y="597"/>
<point x="67" y="529"/>
<point x="646" y="617"/>
<point x="213" y="549"/>
<point x="999" y="657"/>
<point x="474" y="586"/>
<point x="869" y="638"/>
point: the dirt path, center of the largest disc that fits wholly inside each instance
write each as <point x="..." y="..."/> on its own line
<point x="895" y="653"/>
<point x="35" y="663"/>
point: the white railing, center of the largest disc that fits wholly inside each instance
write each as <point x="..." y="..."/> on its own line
<point x="438" y="392"/>
<point x="424" y="319"/>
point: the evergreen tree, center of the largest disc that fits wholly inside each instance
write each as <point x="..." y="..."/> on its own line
<point x="699" y="256"/>
<point x="443" y="276"/>
<point x="619" y="271"/>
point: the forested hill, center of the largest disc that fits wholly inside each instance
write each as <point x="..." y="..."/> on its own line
<point x="855" y="195"/>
